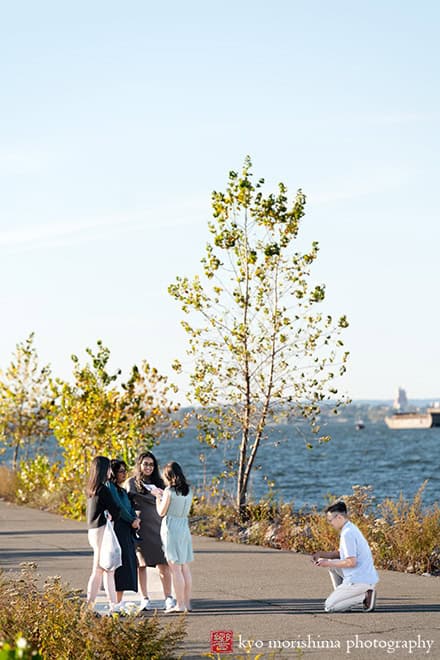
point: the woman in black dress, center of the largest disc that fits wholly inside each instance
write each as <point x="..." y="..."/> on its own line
<point x="149" y="548"/>
<point x="125" y="529"/>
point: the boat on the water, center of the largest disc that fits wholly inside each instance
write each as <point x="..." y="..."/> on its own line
<point x="411" y="419"/>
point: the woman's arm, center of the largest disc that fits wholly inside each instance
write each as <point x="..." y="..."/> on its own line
<point x="124" y="503"/>
<point x="109" y="502"/>
<point x="163" y="500"/>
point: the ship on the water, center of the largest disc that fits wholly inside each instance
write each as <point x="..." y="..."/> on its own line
<point x="403" y="418"/>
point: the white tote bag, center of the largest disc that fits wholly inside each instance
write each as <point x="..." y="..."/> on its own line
<point x="110" y="555"/>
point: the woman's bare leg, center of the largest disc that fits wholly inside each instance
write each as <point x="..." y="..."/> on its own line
<point x="94" y="583"/>
<point x="142" y="577"/>
<point x="109" y="587"/>
<point x="178" y="584"/>
<point x="165" y="578"/>
<point x="187" y="577"/>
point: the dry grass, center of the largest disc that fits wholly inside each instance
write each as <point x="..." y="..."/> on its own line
<point x="8" y="483"/>
<point x="403" y="535"/>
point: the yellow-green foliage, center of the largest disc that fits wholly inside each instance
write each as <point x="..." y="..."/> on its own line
<point x="252" y="320"/>
<point x="57" y="623"/>
<point x="95" y="415"/>
<point x="24" y="402"/>
<point x="37" y="483"/>
<point x="20" y="650"/>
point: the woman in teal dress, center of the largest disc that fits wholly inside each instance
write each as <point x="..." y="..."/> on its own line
<point x="173" y="505"/>
<point x="125" y="529"/>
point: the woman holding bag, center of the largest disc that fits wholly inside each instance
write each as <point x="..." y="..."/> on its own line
<point x="100" y="500"/>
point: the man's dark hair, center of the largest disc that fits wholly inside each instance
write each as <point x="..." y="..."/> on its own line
<point x="337" y="507"/>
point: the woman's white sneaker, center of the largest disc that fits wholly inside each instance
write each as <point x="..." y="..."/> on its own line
<point x="145" y="604"/>
<point x="170" y="602"/>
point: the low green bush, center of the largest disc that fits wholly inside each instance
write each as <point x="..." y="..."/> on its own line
<point x="41" y="484"/>
<point x="37" y="483"/>
<point x="20" y="650"/>
<point x="57" y="623"/>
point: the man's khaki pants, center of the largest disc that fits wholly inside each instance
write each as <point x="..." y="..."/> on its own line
<point x="345" y="596"/>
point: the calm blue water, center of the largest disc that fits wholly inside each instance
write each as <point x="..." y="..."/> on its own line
<point x="393" y="462"/>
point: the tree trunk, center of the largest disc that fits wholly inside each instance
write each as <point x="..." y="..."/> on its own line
<point x="15" y="457"/>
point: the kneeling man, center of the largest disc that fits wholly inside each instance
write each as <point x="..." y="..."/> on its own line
<point x="351" y="567"/>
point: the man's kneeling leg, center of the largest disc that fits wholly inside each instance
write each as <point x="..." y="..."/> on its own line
<point x="346" y="596"/>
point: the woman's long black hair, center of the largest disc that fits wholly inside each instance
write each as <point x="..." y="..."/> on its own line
<point x="175" y="478"/>
<point x="155" y="477"/>
<point x="98" y="474"/>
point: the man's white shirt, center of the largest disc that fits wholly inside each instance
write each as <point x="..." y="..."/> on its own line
<point x="353" y="544"/>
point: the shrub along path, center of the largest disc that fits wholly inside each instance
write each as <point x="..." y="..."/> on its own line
<point x="268" y="598"/>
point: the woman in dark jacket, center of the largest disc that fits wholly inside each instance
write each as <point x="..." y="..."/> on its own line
<point x="125" y="528"/>
<point x="99" y="500"/>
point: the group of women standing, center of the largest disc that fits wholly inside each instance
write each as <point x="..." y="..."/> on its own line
<point x="150" y="517"/>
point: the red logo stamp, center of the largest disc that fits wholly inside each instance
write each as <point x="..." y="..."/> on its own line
<point x="222" y="641"/>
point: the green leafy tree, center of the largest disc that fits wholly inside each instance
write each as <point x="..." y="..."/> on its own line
<point x="96" y="415"/>
<point x="24" y="402"/>
<point x="147" y="412"/>
<point x="258" y="345"/>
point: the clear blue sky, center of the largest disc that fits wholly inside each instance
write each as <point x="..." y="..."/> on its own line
<point x="119" y="119"/>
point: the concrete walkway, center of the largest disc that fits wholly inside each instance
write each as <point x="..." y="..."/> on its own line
<point x="269" y="599"/>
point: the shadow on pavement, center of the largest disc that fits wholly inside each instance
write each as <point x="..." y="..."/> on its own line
<point x="269" y="551"/>
<point x="297" y="606"/>
<point x="40" y="532"/>
<point x="34" y="555"/>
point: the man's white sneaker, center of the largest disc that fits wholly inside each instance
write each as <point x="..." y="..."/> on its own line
<point x="145" y="604"/>
<point x="370" y="600"/>
<point x="170" y="602"/>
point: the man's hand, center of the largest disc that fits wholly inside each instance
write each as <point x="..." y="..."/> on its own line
<point x="322" y="562"/>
